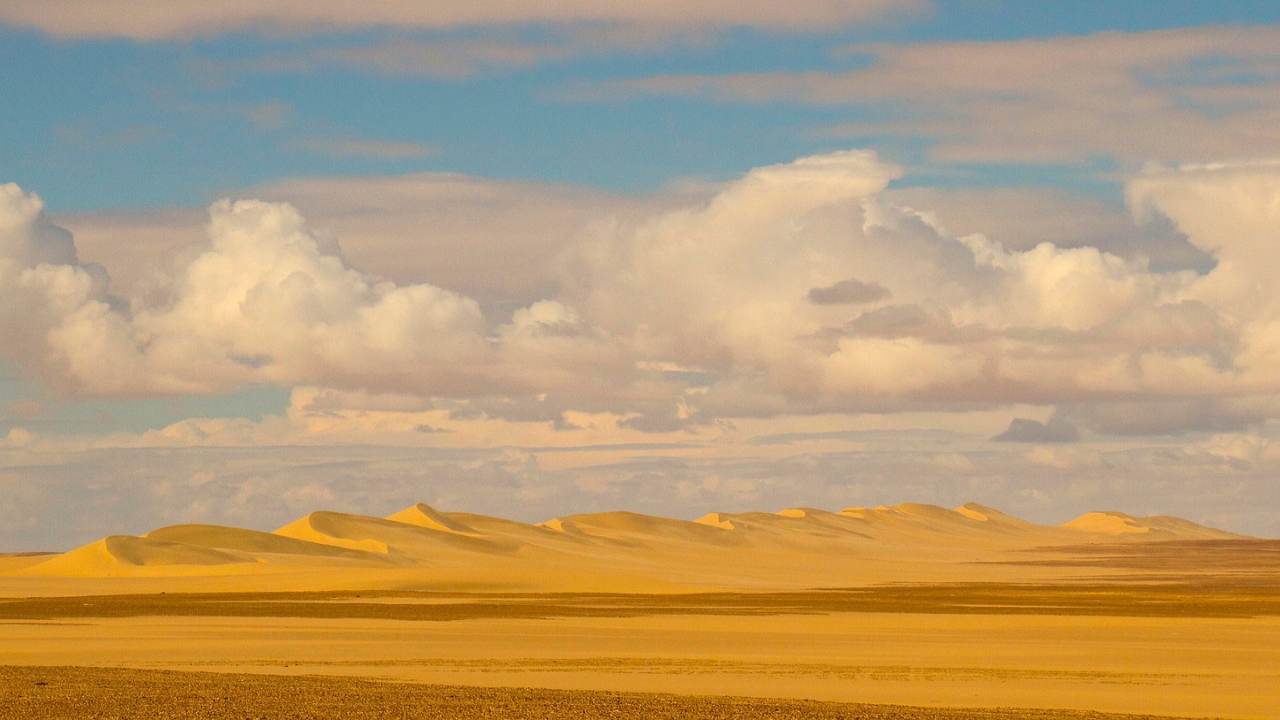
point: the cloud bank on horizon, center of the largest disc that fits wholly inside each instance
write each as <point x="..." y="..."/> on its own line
<point x="840" y="327"/>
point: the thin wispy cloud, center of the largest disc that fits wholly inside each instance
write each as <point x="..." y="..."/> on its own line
<point x="366" y="149"/>
<point x="167" y="19"/>
<point x="1199" y="93"/>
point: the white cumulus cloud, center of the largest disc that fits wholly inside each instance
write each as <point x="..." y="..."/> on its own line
<point x="678" y="318"/>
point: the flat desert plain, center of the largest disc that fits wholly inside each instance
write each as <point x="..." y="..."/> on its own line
<point x="907" y="611"/>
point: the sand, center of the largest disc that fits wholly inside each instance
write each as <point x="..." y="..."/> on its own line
<point x="92" y="693"/>
<point x="913" y="605"/>
<point x="423" y="548"/>
<point x="1188" y="653"/>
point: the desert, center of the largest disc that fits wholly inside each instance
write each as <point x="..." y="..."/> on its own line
<point x="910" y="611"/>
<point x="639" y="359"/>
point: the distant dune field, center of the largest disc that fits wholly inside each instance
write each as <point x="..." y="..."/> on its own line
<point x="906" y="611"/>
<point x="422" y="548"/>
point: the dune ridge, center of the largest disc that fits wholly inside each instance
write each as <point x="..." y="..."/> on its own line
<point x="420" y="546"/>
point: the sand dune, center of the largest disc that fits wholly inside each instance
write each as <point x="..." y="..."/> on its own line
<point x="403" y="541"/>
<point x="425" y="516"/>
<point x="647" y="529"/>
<point x="120" y="555"/>
<point x="715" y="519"/>
<point x="1157" y="527"/>
<point x="420" y="546"/>
<point x="984" y="514"/>
<point x="249" y="541"/>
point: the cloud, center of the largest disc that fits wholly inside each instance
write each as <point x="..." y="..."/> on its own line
<point x="1230" y="211"/>
<point x="1023" y="430"/>
<point x="1187" y="94"/>
<point x="1023" y="217"/>
<point x="26" y="240"/>
<point x="168" y="19"/>
<point x="43" y="285"/>
<point x="674" y="314"/>
<point x="1227" y="480"/>
<point x="726" y="287"/>
<point x="492" y="240"/>
<point x="1171" y="416"/>
<point x="271" y="115"/>
<point x="847" y="292"/>
<point x="366" y="149"/>
<point x="266" y="301"/>
<point x="454" y="56"/>
<point x="442" y="58"/>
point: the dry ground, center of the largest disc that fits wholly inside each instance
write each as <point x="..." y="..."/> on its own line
<point x="1169" y="629"/>
<point x="1205" y="597"/>
<point x="108" y="694"/>
<point x="1202" y="648"/>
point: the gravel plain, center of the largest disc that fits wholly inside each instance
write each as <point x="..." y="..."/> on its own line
<point x="80" y="693"/>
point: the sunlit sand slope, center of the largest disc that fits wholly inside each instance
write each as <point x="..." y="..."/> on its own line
<point x="1156" y="527"/>
<point x="794" y="547"/>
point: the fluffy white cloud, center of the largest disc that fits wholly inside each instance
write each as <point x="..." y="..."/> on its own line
<point x="1232" y="212"/>
<point x="270" y="303"/>
<point x="25" y="239"/>
<point x="43" y="287"/>
<point x="266" y="302"/>
<point x="1021" y="218"/>
<point x="800" y="288"/>
<point x="729" y="287"/>
<point x="492" y="240"/>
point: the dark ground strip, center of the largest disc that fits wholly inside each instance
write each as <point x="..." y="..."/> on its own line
<point x="1220" y="599"/>
<point x="1242" y="559"/>
<point x="114" y="694"/>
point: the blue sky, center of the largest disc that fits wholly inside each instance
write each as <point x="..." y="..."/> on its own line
<point x="472" y="242"/>
<point x="109" y="123"/>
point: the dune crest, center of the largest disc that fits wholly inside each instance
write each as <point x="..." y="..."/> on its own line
<point x="715" y="519"/>
<point x="329" y="528"/>
<point x="420" y="546"/>
<point x="559" y="525"/>
<point x="127" y="555"/>
<point x="1107" y="523"/>
<point x="1161" y="527"/>
<point x="424" y="515"/>
<point x="250" y="541"/>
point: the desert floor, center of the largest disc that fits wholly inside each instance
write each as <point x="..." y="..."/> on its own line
<point x="100" y="694"/>
<point x="1208" y="647"/>
<point x="921" y="612"/>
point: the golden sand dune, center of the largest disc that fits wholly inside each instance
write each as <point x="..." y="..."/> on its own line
<point x="424" y="515"/>
<point x="794" y="547"/>
<point x="125" y="555"/>
<point x="255" y="542"/>
<point x="401" y="541"/>
<point x="1156" y="527"/>
<point x="646" y="529"/>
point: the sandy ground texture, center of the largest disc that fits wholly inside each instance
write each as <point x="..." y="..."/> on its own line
<point x="422" y="548"/>
<point x="905" y="605"/>
<point x="102" y="694"/>
<point x="1203" y="650"/>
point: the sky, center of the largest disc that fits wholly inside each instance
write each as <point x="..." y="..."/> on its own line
<point x="529" y="259"/>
